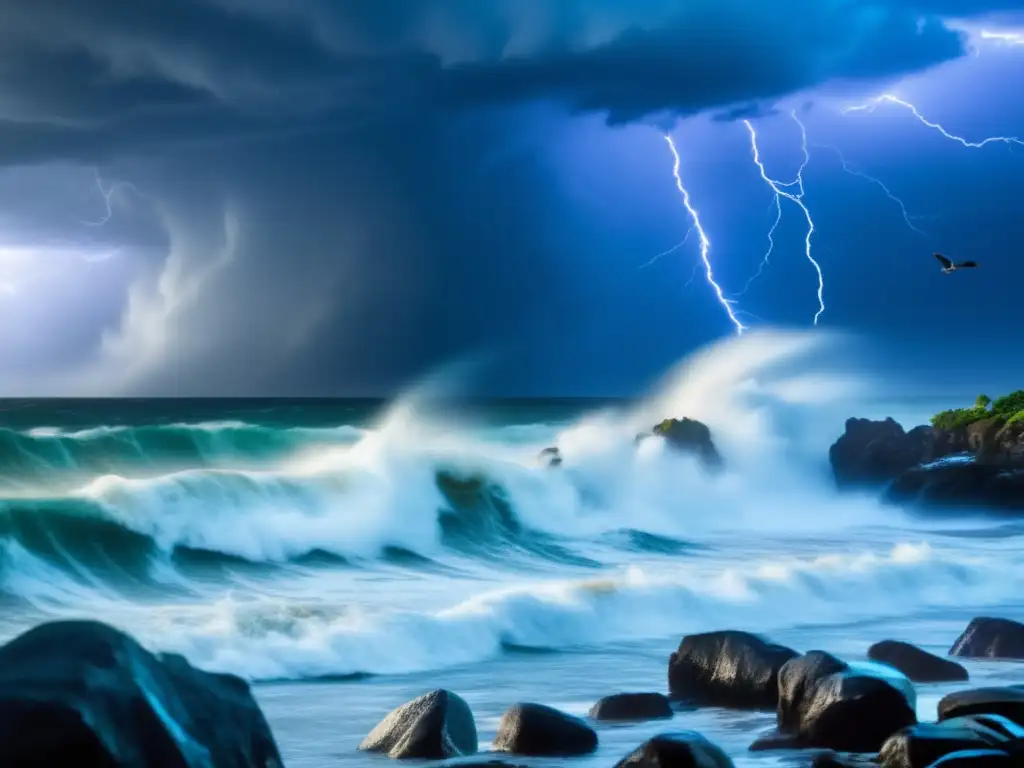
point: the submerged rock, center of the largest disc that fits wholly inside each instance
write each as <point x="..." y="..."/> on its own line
<point x="875" y="452"/>
<point x="434" y="726"/>
<point x="632" y="706"/>
<point x="921" y="745"/>
<point x="679" y="749"/>
<point x="987" y="638"/>
<point x="537" y="730"/>
<point x="81" y="693"/>
<point x="730" y="669"/>
<point x="917" y="664"/>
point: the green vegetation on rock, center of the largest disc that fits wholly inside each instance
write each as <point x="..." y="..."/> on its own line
<point x="1010" y="408"/>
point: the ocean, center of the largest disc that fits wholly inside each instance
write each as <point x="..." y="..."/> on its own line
<point x="348" y="555"/>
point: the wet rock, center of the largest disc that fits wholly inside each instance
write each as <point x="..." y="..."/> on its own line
<point x="85" y="694"/>
<point x="690" y="436"/>
<point x="990" y="639"/>
<point x="825" y="702"/>
<point x="921" y="745"/>
<point x="835" y="760"/>
<point x="730" y="669"/>
<point x="537" y="730"/>
<point x="434" y="726"/>
<point x="632" y="706"/>
<point x="977" y="758"/>
<point x="957" y="483"/>
<point x="1005" y="701"/>
<point x="550" y="457"/>
<point x="917" y="664"/>
<point x="679" y="749"/>
<point x="874" y="452"/>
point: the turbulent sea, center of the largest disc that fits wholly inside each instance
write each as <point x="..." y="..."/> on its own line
<point x="347" y="556"/>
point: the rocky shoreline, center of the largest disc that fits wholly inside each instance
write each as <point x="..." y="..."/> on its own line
<point x="82" y="693"/>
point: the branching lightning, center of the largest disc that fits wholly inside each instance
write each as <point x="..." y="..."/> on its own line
<point x="877" y="182"/>
<point x="771" y="246"/>
<point x="670" y="251"/>
<point x="783" y="190"/>
<point x="891" y="99"/>
<point x="108" y="199"/>
<point x="705" y="243"/>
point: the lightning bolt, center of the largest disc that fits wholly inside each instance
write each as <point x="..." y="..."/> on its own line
<point x="108" y="199"/>
<point x="771" y="246"/>
<point x="670" y="251"/>
<point x="705" y="243"/>
<point x="891" y="99"/>
<point x="877" y="182"/>
<point x="782" y="190"/>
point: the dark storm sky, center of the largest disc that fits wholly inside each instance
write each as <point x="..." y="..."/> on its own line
<point x="332" y="197"/>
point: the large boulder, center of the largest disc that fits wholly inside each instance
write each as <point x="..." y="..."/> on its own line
<point x="960" y="483"/>
<point x="731" y="669"/>
<point x="987" y="638"/>
<point x="77" y="693"/>
<point x="1006" y="701"/>
<point x="537" y="730"/>
<point x="874" y="452"/>
<point x="826" y="703"/>
<point x="679" y="749"/>
<point x="920" y="745"/>
<point x="632" y="706"/>
<point x="434" y="726"/>
<point x="917" y="664"/>
<point x="690" y="436"/>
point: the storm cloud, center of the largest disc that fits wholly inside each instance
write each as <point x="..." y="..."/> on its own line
<point x="299" y="219"/>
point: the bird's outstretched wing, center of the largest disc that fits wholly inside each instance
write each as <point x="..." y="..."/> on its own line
<point x="967" y="264"/>
<point x="946" y="263"/>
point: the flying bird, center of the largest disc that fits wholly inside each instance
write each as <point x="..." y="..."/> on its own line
<point x="949" y="267"/>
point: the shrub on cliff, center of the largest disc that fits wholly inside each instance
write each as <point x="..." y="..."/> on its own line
<point x="1009" y="407"/>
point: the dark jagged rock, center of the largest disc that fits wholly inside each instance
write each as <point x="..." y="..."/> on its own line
<point x="730" y="669"/>
<point x="987" y="638"/>
<point x="679" y="749"/>
<point x="977" y="758"/>
<point x="632" y="706"/>
<point x="824" y="702"/>
<point x="690" y="436"/>
<point x="85" y="694"/>
<point x="537" y="730"/>
<point x="921" y="745"/>
<point x="1005" y="701"/>
<point x="550" y="457"/>
<point x="835" y="760"/>
<point x="875" y="452"/>
<point x="434" y="726"/>
<point x="917" y="664"/>
<point x="960" y="483"/>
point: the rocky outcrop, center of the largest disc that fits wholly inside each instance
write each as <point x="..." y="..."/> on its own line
<point x="987" y="638"/>
<point x="679" y="749"/>
<point x="550" y="457"/>
<point x="960" y="484"/>
<point x="632" y="706"/>
<point x="826" y="703"/>
<point x="690" y="436"/>
<point x="918" y="665"/>
<point x="540" y="731"/>
<point x="919" y="746"/>
<point x="83" y="693"/>
<point x="730" y="669"/>
<point x="875" y="452"/>
<point x="435" y="726"/>
<point x="1005" y="702"/>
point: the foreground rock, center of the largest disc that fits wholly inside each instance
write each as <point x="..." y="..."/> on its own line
<point x="921" y="745"/>
<point x="435" y="726"/>
<point x="875" y="452"/>
<point x="83" y="693"/>
<point x="987" y="638"/>
<point x="1006" y="701"/>
<point x="632" y="706"/>
<point x="690" y="436"/>
<point x="736" y="670"/>
<point x="679" y="749"/>
<point x="825" y="702"/>
<point x="917" y="664"/>
<point x="986" y="758"/>
<point x="537" y="730"/>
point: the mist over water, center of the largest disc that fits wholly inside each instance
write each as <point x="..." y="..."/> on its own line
<point x="288" y="541"/>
